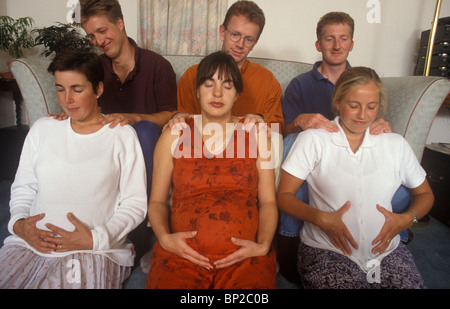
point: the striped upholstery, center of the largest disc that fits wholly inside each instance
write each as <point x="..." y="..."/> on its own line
<point x="413" y="101"/>
<point x="37" y="87"/>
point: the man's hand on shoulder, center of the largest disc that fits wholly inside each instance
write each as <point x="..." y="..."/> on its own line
<point x="314" y="121"/>
<point x="115" y="119"/>
<point x="179" y="119"/>
<point x="60" y="116"/>
<point x="380" y="126"/>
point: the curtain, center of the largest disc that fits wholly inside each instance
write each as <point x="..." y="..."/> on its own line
<point x="181" y="27"/>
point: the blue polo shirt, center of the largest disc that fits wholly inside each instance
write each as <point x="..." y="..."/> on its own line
<point x="309" y="92"/>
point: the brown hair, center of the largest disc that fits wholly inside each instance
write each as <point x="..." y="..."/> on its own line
<point x="353" y="77"/>
<point x="84" y="61"/>
<point x="225" y="64"/>
<point x="250" y="10"/>
<point x="110" y="8"/>
<point x="335" y="18"/>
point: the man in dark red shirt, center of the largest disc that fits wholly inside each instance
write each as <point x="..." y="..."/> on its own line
<point x="147" y="93"/>
<point x="139" y="85"/>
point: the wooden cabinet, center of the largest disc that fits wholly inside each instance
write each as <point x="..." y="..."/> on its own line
<point x="10" y="85"/>
<point x="437" y="166"/>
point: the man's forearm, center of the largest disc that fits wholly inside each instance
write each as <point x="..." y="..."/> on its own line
<point x="291" y="128"/>
<point x="160" y="118"/>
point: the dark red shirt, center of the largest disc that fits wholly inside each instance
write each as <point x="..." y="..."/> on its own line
<point x="149" y="88"/>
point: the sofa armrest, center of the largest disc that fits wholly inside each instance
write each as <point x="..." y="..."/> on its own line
<point x="37" y="87"/>
<point x="413" y="103"/>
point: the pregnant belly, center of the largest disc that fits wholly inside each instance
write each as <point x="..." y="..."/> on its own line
<point x="215" y="226"/>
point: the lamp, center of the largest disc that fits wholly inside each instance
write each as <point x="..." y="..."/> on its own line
<point x="426" y="70"/>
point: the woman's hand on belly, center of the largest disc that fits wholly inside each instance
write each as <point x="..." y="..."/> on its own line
<point x="176" y="243"/>
<point x="79" y="239"/>
<point x="336" y="230"/>
<point x="247" y="249"/>
<point x="393" y="225"/>
<point x="26" y="229"/>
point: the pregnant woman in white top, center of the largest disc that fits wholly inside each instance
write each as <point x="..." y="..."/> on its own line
<point x="79" y="190"/>
<point x="350" y="236"/>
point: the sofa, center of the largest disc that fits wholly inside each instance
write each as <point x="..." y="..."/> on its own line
<point x="413" y="102"/>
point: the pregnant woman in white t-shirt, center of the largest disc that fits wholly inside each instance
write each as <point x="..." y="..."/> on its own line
<point x="350" y="235"/>
<point x="79" y="190"/>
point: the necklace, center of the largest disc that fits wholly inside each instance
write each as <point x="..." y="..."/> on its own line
<point x="219" y="140"/>
<point x="209" y="143"/>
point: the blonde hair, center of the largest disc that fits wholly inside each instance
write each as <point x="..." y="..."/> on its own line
<point x="353" y="77"/>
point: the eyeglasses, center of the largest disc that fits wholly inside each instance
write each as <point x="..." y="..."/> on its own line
<point x="249" y="41"/>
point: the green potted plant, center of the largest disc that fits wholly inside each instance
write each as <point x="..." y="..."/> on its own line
<point x="60" y="36"/>
<point x="15" y="36"/>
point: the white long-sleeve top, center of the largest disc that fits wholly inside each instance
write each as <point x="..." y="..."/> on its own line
<point x="99" y="177"/>
<point x="335" y="175"/>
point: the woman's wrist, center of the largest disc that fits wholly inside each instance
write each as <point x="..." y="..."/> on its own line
<point x="320" y="218"/>
<point x="17" y="226"/>
<point x="264" y="247"/>
<point x="410" y="218"/>
<point x="163" y="239"/>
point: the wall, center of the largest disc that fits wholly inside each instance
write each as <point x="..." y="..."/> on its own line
<point x="45" y="13"/>
<point x="389" y="45"/>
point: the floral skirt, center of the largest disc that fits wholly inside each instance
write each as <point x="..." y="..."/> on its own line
<point x="21" y="268"/>
<point x="325" y="269"/>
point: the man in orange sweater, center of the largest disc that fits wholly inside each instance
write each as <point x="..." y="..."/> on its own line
<point x="260" y="101"/>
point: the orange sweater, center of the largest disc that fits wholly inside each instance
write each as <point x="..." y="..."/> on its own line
<point x="261" y="94"/>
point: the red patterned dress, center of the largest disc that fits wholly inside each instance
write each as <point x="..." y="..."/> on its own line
<point x="217" y="197"/>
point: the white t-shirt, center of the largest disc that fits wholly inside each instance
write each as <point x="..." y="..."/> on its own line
<point x="99" y="177"/>
<point x="335" y="175"/>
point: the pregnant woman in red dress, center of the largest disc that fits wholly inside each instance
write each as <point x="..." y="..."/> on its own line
<point x="218" y="231"/>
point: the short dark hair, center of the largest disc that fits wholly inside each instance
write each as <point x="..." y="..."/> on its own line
<point x="84" y="61"/>
<point x="250" y="10"/>
<point x="222" y="62"/>
<point x="110" y="8"/>
<point x="335" y="18"/>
